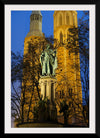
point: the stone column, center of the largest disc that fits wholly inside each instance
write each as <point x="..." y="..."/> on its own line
<point x="48" y="89"/>
<point x="42" y="85"/>
<point x="47" y="85"/>
<point x="54" y="89"/>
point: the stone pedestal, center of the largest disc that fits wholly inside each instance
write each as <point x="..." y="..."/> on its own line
<point x="47" y="85"/>
<point x="53" y="112"/>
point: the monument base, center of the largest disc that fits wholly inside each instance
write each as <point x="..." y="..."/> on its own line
<point x="53" y="112"/>
<point x="47" y="84"/>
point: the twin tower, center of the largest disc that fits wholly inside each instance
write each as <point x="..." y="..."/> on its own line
<point x="68" y="84"/>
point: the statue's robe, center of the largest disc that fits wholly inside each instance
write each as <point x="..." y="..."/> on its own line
<point x="48" y="61"/>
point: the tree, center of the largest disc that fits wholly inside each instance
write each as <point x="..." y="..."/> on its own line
<point x="78" y="42"/>
<point x="84" y="54"/>
<point x="78" y="45"/>
<point x="16" y="80"/>
<point x="41" y="110"/>
<point x="27" y="70"/>
<point x="64" y="108"/>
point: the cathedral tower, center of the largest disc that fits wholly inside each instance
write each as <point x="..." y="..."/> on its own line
<point x="32" y="49"/>
<point x="35" y="28"/>
<point x="63" y="20"/>
<point x="35" y="24"/>
<point x="68" y="77"/>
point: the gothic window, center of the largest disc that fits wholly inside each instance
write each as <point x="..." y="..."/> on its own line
<point x="62" y="94"/>
<point x="73" y="20"/>
<point x="67" y="19"/>
<point x="61" y="37"/>
<point x="70" y="92"/>
<point x="37" y="18"/>
<point x="60" y="20"/>
<point x="69" y="53"/>
<point x="32" y="17"/>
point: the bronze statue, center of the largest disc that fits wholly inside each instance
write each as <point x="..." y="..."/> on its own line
<point x="48" y="61"/>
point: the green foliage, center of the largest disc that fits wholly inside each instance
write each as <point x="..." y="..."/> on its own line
<point x="35" y="112"/>
<point x="64" y="108"/>
<point x="40" y="108"/>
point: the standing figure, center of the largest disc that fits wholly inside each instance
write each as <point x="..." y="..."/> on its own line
<point x="48" y="61"/>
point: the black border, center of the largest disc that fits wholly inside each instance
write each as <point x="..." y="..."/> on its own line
<point x="97" y="3"/>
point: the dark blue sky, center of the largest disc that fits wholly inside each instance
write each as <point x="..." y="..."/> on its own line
<point x="20" y="24"/>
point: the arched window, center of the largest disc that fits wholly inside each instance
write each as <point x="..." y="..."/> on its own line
<point x="69" y="53"/>
<point x="73" y="19"/>
<point x="60" y="19"/>
<point x="67" y="19"/>
<point x="62" y="94"/>
<point x="61" y="37"/>
<point x="70" y="92"/>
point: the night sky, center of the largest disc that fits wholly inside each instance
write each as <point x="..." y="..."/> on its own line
<point x="20" y="25"/>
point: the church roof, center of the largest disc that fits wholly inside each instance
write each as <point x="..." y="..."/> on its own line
<point x="36" y="12"/>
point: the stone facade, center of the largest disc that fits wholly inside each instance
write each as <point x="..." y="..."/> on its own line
<point x="67" y="77"/>
<point x="63" y="20"/>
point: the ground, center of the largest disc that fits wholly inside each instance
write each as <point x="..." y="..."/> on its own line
<point x="34" y="125"/>
<point x="47" y="125"/>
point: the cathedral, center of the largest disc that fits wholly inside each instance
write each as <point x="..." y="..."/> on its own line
<point x="68" y="86"/>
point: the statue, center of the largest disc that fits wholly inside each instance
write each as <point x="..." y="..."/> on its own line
<point x="48" y="61"/>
